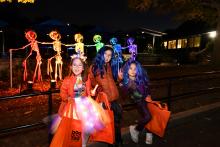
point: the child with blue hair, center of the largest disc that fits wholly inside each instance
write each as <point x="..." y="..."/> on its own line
<point x="136" y="83"/>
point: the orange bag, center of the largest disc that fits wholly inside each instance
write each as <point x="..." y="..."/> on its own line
<point x="107" y="134"/>
<point x="159" y="117"/>
<point x="68" y="134"/>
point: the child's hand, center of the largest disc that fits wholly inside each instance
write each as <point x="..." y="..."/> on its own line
<point x="148" y="98"/>
<point x="120" y="74"/>
<point x="93" y="91"/>
<point x="120" y="84"/>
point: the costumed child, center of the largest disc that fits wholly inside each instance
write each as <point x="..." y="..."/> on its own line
<point x="101" y="73"/>
<point x="135" y="83"/>
<point x="77" y="108"/>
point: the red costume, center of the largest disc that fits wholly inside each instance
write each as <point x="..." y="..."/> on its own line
<point x="106" y="83"/>
<point x="79" y="114"/>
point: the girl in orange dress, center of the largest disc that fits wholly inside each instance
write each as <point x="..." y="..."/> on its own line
<point x="77" y="105"/>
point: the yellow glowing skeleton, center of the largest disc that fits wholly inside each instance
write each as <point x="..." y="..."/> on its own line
<point x="79" y="45"/>
<point x="31" y="37"/>
<point x="57" y="48"/>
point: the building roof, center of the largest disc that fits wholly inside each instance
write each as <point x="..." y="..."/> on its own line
<point x="152" y="32"/>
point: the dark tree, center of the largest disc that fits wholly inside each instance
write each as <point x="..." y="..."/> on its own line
<point x="206" y="10"/>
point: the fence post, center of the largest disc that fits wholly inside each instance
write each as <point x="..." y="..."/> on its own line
<point x="50" y="136"/>
<point x="169" y="92"/>
<point x="50" y="107"/>
<point x="10" y="51"/>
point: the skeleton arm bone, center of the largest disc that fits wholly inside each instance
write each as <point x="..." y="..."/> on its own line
<point x="20" y="48"/>
<point x="45" y="42"/>
<point x="109" y="46"/>
<point x="89" y="45"/>
<point x="69" y="45"/>
<point x="124" y="47"/>
<point x="28" y="55"/>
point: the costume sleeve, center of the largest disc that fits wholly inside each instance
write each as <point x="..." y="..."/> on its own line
<point x="64" y="96"/>
<point x="88" y="86"/>
<point x="64" y="90"/>
<point x="91" y="77"/>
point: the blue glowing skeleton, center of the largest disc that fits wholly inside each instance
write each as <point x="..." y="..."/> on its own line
<point x="117" y="59"/>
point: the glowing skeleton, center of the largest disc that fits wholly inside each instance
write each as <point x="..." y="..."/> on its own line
<point x="79" y="45"/>
<point x="98" y="44"/>
<point x="57" y="48"/>
<point x="132" y="48"/>
<point x="31" y="37"/>
<point x="117" y="57"/>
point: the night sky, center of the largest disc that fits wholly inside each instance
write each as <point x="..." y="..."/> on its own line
<point x="113" y="14"/>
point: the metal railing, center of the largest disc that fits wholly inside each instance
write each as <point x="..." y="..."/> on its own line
<point x="127" y="106"/>
<point x="170" y="97"/>
<point x="33" y="125"/>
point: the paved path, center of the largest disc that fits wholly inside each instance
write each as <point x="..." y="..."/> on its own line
<point x="201" y="130"/>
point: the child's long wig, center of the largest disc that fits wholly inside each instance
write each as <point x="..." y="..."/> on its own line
<point x="141" y="77"/>
<point x="99" y="62"/>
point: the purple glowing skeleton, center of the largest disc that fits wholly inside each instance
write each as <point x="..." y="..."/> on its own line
<point x="132" y="48"/>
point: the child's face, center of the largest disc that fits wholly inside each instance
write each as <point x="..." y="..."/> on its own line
<point x="132" y="71"/>
<point x="77" y="67"/>
<point x="107" y="55"/>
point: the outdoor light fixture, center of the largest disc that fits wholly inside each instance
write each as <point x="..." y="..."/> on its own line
<point x="52" y="84"/>
<point x="30" y="85"/>
<point x="212" y="34"/>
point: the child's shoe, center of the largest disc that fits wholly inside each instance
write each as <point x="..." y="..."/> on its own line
<point x="149" y="138"/>
<point x="134" y="134"/>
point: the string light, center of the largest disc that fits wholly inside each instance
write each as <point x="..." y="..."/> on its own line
<point x="19" y="1"/>
<point x="26" y="1"/>
<point x="2" y="1"/>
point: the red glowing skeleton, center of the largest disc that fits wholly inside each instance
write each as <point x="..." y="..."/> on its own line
<point x="31" y="37"/>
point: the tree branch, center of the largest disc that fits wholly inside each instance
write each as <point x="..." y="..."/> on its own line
<point x="212" y="4"/>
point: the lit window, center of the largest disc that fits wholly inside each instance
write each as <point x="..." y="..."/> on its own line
<point x="165" y="44"/>
<point x="182" y="43"/>
<point x="172" y="44"/>
<point x="191" y="44"/>
<point x="197" y="41"/>
<point x="194" y="41"/>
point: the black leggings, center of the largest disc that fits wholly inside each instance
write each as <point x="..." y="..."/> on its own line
<point x="117" y="110"/>
<point x="145" y="115"/>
